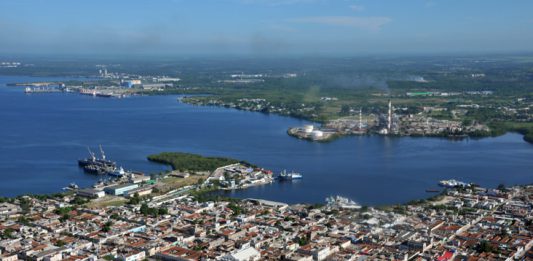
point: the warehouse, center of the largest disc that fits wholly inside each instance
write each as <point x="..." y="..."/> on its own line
<point x="90" y="193"/>
<point x="120" y="189"/>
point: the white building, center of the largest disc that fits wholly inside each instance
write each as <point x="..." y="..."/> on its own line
<point x="246" y="253"/>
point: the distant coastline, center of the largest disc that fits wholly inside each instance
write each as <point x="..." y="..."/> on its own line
<point x="495" y="131"/>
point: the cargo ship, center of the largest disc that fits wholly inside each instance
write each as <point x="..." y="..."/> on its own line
<point x="96" y="165"/>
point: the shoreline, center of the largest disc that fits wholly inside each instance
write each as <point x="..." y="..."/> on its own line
<point x="501" y="127"/>
<point x="209" y="190"/>
<point x="526" y="136"/>
<point x="296" y="117"/>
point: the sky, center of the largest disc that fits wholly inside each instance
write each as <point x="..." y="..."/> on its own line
<point x="264" y="27"/>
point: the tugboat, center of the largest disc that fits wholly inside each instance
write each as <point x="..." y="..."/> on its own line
<point x="289" y="176"/>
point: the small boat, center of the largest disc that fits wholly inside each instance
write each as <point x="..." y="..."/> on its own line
<point x="99" y="184"/>
<point x="432" y="190"/>
<point x="71" y="186"/>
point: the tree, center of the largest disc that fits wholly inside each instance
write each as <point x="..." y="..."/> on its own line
<point x="345" y="110"/>
<point x="107" y="226"/>
<point x="64" y="218"/>
<point x="200" y="181"/>
<point x="23" y="220"/>
<point x="163" y="211"/>
<point x="237" y="210"/>
<point x="501" y="187"/>
<point x="486" y="247"/>
<point x="24" y="204"/>
<point x="144" y="209"/>
<point x="303" y="241"/>
<point x="78" y="201"/>
<point x="8" y="233"/>
<point x="135" y="199"/>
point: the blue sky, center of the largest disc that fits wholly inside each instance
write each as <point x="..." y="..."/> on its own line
<point x="264" y="27"/>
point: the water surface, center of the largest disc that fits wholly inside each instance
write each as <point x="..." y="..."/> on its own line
<point x="43" y="135"/>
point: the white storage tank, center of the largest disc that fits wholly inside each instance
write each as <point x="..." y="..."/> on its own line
<point x="317" y="134"/>
<point x="309" y="128"/>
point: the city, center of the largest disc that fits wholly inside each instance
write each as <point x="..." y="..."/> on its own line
<point x="465" y="222"/>
<point x="248" y="130"/>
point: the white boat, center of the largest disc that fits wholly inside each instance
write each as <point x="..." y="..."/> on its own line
<point x="71" y="186"/>
<point x="118" y="172"/>
<point x="342" y="202"/>
<point x="452" y="183"/>
<point x="290" y="175"/>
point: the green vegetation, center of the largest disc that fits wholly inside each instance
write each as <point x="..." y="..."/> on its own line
<point x="303" y="241"/>
<point x="352" y="82"/>
<point x="63" y="211"/>
<point x="7" y="234"/>
<point x="191" y="162"/>
<point x="236" y="209"/>
<point x="79" y="201"/>
<point x="153" y="212"/>
<point x="135" y="200"/>
<point x="60" y="243"/>
<point x="23" y="220"/>
<point x="525" y="128"/>
<point x="107" y="226"/>
<point x="486" y="247"/>
<point x="109" y="257"/>
<point x="24" y="204"/>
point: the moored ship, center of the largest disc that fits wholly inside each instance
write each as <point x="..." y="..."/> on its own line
<point x="342" y="202"/>
<point x="284" y="175"/>
<point x="452" y="183"/>
<point x="96" y="165"/>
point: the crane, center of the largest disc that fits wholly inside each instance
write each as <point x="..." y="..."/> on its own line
<point x="91" y="153"/>
<point x="102" y="152"/>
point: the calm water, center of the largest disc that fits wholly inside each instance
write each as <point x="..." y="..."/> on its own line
<point x="42" y="136"/>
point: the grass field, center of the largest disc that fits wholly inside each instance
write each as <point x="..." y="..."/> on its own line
<point x="107" y="201"/>
<point x="170" y="183"/>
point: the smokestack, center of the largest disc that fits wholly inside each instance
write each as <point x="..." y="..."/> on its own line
<point x="389" y="122"/>
<point x="360" y="118"/>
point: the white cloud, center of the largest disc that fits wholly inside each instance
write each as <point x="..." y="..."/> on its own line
<point x="373" y="23"/>
<point x="357" y="8"/>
